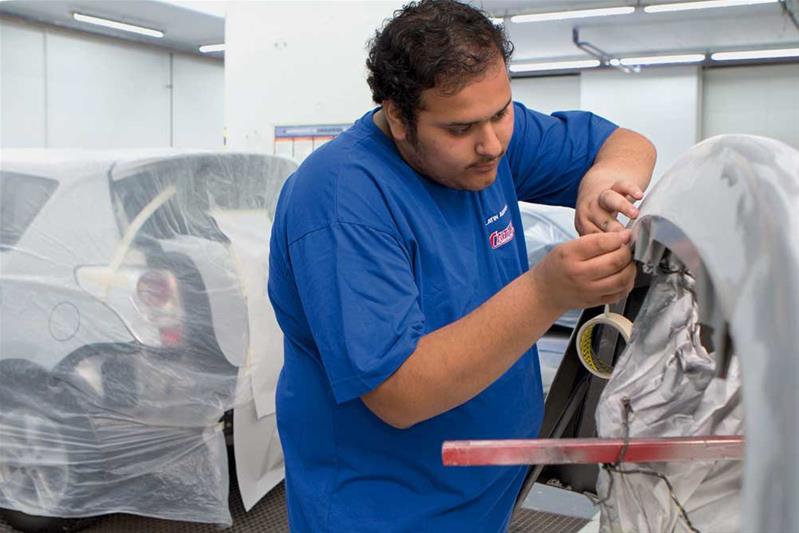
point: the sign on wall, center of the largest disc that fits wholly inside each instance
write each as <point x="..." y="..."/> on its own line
<point x="297" y="142"/>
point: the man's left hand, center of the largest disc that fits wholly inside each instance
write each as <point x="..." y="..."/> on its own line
<point x="597" y="211"/>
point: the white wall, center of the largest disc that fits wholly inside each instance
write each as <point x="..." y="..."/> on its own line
<point x="22" y="94"/>
<point x="548" y="94"/>
<point x="199" y="102"/>
<point x="759" y="100"/>
<point x="661" y="103"/>
<point x="67" y="89"/>
<point x="105" y="94"/>
<point x="292" y="63"/>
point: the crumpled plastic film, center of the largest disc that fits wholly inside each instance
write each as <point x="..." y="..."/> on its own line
<point x="670" y="382"/>
<point x="725" y="219"/>
<point x="125" y="332"/>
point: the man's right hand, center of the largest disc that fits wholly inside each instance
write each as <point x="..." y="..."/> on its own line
<point x="454" y="363"/>
<point x="591" y="270"/>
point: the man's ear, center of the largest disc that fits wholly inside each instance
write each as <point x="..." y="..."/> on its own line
<point x="399" y="131"/>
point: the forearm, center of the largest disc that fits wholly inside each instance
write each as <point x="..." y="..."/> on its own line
<point x="455" y="363"/>
<point x="624" y="155"/>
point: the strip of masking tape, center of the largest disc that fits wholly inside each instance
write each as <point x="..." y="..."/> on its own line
<point x="585" y="350"/>
<point x="133" y="229"/>
<point x="244" y="287"/>
<point x="99" y="279"/>
<point x="217" y="214"/>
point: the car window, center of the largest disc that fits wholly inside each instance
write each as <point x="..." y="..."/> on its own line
<point x="247" y="190"/>
<point x="21" y="198"/>
<point x="184" y="214"/>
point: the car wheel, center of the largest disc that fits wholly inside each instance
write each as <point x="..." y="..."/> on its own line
<point x="36" y="464"/>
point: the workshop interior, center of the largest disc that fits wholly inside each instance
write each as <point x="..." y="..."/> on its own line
<point x="144" y="145"/>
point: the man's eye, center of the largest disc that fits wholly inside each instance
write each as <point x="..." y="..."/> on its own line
<point x="460" y="130"/>
<point x="501" y="114"/>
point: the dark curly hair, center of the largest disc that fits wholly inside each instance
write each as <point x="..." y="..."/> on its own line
<point x="431" y="43"/>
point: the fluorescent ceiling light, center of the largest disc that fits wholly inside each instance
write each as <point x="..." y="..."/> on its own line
<point x="208" y="48"/>
<point x="576" y="14"/>
<point x="117" y="25"/>
<point x="755" y="54"/>
<point x="496" y="21"/>
<point x="554" y="65"/>
<point x="706" y="4"/>
<point x="660" y="60"/>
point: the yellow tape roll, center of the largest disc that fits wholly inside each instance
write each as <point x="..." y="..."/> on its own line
<point x="586" y="352"/>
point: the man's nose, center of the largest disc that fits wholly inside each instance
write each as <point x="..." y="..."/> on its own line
<point x="488" y="144"/>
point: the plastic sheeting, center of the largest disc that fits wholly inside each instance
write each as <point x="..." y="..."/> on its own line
<point x="720" y="231"/>
<point x="670" y="383"/>
<point x="128" y="329"/>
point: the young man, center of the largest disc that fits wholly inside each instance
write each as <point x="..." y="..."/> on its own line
<point x="399" y="276"/>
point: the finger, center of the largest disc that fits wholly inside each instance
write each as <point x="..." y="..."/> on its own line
<point x="614" y="202"/>
<point x="606" y="265"/>
<point x="604" y="222"/>
<point x="585" y="227"/>
<point x="610" y="224"/>
<point x="626" y="290"/>
<point x="615" y="297"/>
<point x="618" y="282"/>
<point x="610" y="298"/>
<point x="628" y="188"/>
<point x="595" y="244"/>
<point x="598" y="221"/>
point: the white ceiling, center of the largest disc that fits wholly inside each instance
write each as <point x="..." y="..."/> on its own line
<point x="186" y="25"/>
<point x="756" y="26"/>
<point x="191" y="23"/>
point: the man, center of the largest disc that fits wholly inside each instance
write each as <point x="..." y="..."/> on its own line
<point x="399" y="276"/>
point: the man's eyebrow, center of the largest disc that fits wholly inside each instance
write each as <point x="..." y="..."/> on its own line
<point x="478" y="121"/>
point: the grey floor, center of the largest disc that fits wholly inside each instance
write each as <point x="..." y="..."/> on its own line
<point x="546" y="510"/>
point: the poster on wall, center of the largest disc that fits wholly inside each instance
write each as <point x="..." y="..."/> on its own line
<point x="297" y="142"/>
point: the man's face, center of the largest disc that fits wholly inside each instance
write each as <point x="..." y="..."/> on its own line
<point x="461" y="137"/>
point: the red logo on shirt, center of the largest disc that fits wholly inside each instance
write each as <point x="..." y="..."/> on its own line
<point x="501" y="237"/>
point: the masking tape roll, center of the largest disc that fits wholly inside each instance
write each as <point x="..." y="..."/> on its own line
<point x="588" y="358"/>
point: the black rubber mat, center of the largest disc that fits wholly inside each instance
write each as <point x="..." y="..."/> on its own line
<point x="269" y="516"/>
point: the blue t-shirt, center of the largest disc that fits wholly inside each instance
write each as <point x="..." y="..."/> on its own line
<point x="367" y="256"/>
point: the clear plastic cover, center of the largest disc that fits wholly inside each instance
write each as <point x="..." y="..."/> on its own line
<point x="714" y="345"/>
<point x="126" y="329"/>
<point x="670" y="382"/>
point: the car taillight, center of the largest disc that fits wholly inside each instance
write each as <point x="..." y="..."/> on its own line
<point x="156" y="288"/>
<point x="148" y="300"/>
<point x="158" y="291"/>
<point x="171" y="335"/>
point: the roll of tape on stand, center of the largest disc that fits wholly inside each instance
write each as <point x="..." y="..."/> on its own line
<point x="585" y="349"/>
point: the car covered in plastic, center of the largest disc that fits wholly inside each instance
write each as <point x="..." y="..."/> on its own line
<point x="135" y="332"/>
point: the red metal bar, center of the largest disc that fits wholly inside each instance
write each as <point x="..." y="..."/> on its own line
<point x="589" y="451"/>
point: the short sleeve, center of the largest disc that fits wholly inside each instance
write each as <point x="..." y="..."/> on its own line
<point x="359" y="295"/>
<point x="549" y="154"/>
